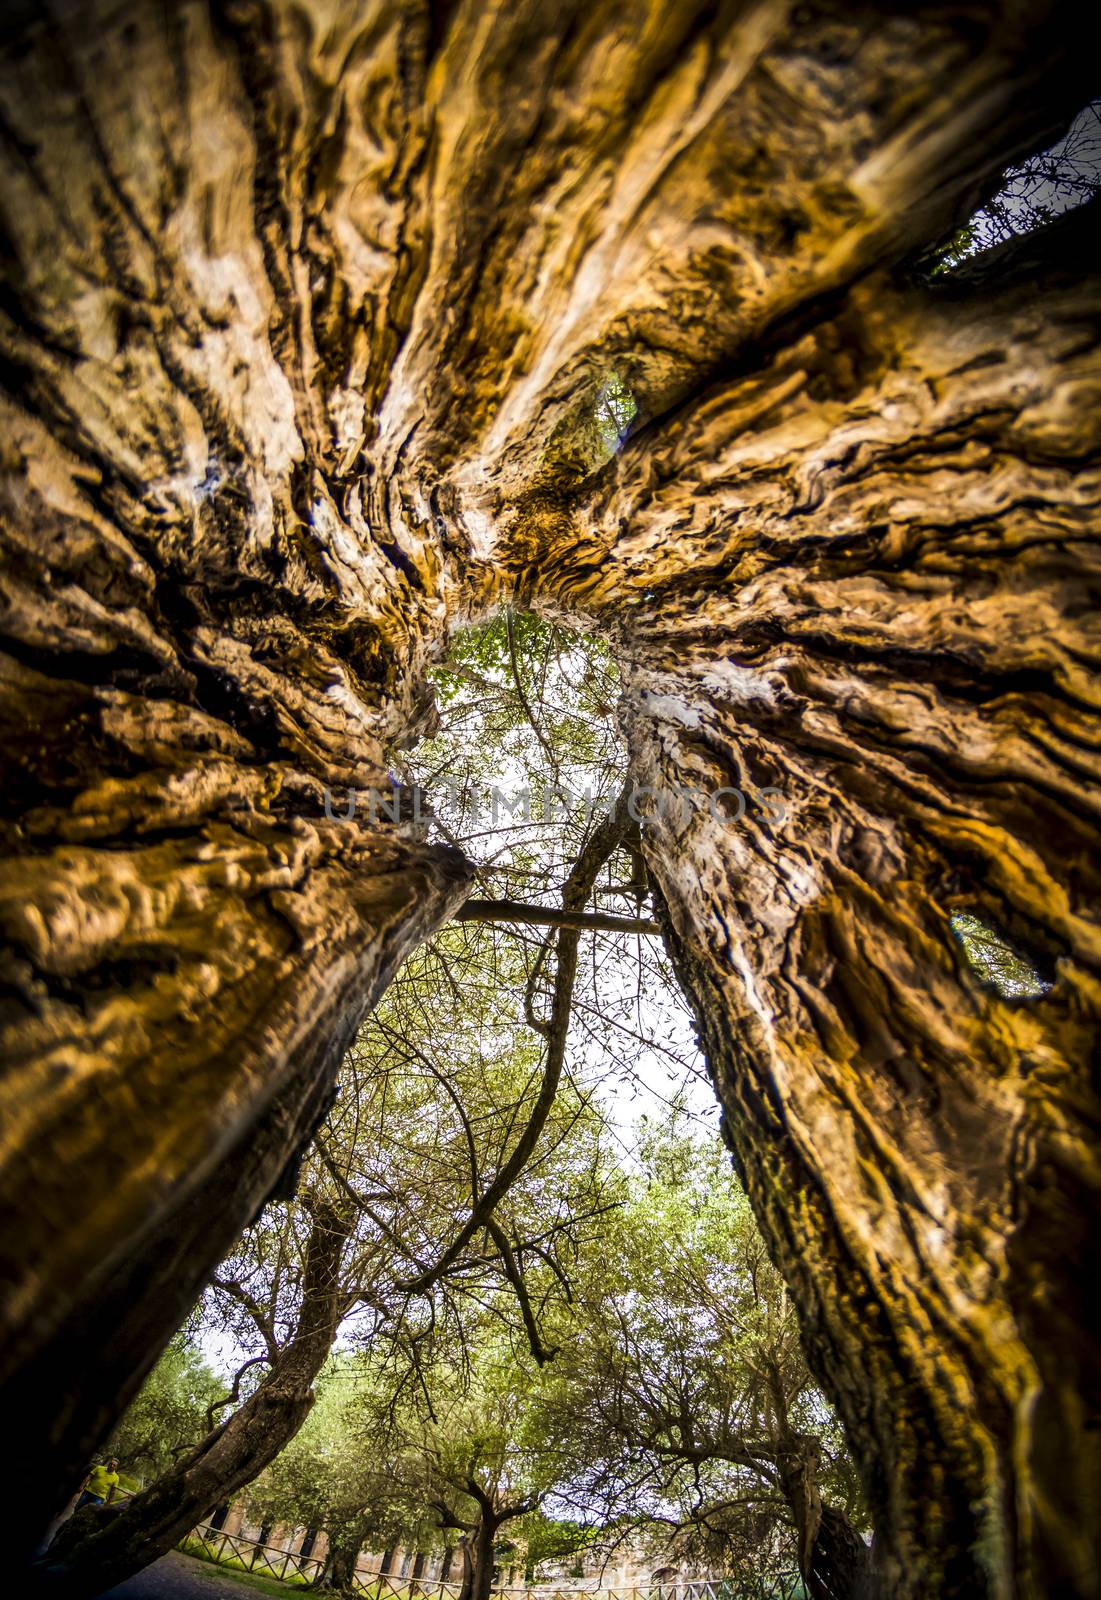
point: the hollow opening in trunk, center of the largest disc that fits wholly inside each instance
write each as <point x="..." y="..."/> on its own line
<point x="1033" y="192"/>
<point x="995" y="961"/>
<point x="526" y="760"/>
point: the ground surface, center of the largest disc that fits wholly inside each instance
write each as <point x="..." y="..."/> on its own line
<point x="179" y="1577"/>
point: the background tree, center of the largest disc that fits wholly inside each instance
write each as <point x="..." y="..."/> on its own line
<point x="554" y="1540"/>
<point x="678" y="1402"/>
<point x="527" y="708"/>
<point x="430" y="1124"/>
<point x="329" y="1478"/>
<point x="470" y="1446"/>
<point x="170" y="1413"/>
<point x="90" y="1552"/>
<point x="688" y="1400"/>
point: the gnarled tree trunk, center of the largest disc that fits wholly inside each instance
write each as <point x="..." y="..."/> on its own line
<point x="345" y="1543"/>
<point x="914" y="679"/>
<point x="91" y="1554"/>
<point x="306" y="309"/>
<point x="833" y="1558"/>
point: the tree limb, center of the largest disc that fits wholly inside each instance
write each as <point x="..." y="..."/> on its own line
<point x="553" y="917"/>
<point x="605" y="838"/>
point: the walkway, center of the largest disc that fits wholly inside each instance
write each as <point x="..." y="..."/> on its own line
<point x="179" y="1577"/>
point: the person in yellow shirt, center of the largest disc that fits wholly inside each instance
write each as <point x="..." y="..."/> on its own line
<point x="100" y="1485"/>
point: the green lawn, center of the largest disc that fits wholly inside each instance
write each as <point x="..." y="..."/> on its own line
<point x="232" y="1568"/>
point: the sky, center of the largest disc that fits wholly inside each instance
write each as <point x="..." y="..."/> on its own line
<point x="632" y="1030"/>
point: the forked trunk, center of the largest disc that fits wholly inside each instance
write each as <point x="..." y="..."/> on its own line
<point x="833" y="1558"/>
<point x="842" y="1567"/>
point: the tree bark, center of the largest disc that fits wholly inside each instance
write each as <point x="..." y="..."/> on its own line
<point x="841" y="1566"/>
<point x="909" y="1140"/>
<point x="478" y="1548"/>
<point x="304" y="317"/>
<point x="230" y="1457"/>
<point x="833" y="1559"/>
<point x="466" y="1583"/>
<point x="339" y="1570"/>
<point x="481" y="1566"/>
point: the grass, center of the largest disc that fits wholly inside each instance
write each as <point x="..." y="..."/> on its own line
<point x="232" y="1567"/>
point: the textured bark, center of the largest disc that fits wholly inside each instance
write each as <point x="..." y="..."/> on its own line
<point x="478" y="1562"/>
<point x="841" y="1564"/>
<point x="338" y="1572"/>
<point x="478" y="1540"/>
<point x="189" y="940"/>
<point x="833" y="1559"/>
<point x="93" y="1554"/>
<point x="305" y="309"/>
<point x="910" y="666"/>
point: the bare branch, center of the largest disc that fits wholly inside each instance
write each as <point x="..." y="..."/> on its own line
<point x="553" y="917"/>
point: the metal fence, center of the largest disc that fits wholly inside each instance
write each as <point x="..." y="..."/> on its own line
<point x="269" y="1561"/>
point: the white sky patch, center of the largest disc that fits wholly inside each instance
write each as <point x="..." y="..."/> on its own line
<point x="632" y="1035"/>
<point x="220" y="1349"/>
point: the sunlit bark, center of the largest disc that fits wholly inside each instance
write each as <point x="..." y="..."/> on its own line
<point x="306" y="311"/>
<point x="910" y="667"/>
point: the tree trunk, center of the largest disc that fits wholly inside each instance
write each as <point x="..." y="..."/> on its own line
<point x="466" y="1584"/>
<point x="913" y="1144"/>
<point x="155" y="1520"/>
<point x="841" y="1564"/>
<point x="478" y="1548"/>
<point x="339" y="1570"/>
<point x="305" y="315"/>
<point x="833" y="1559"/>
<point x="797" y="1460"/>
<point x="340" y="1565"/>
<point x="481" y="1562"/>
